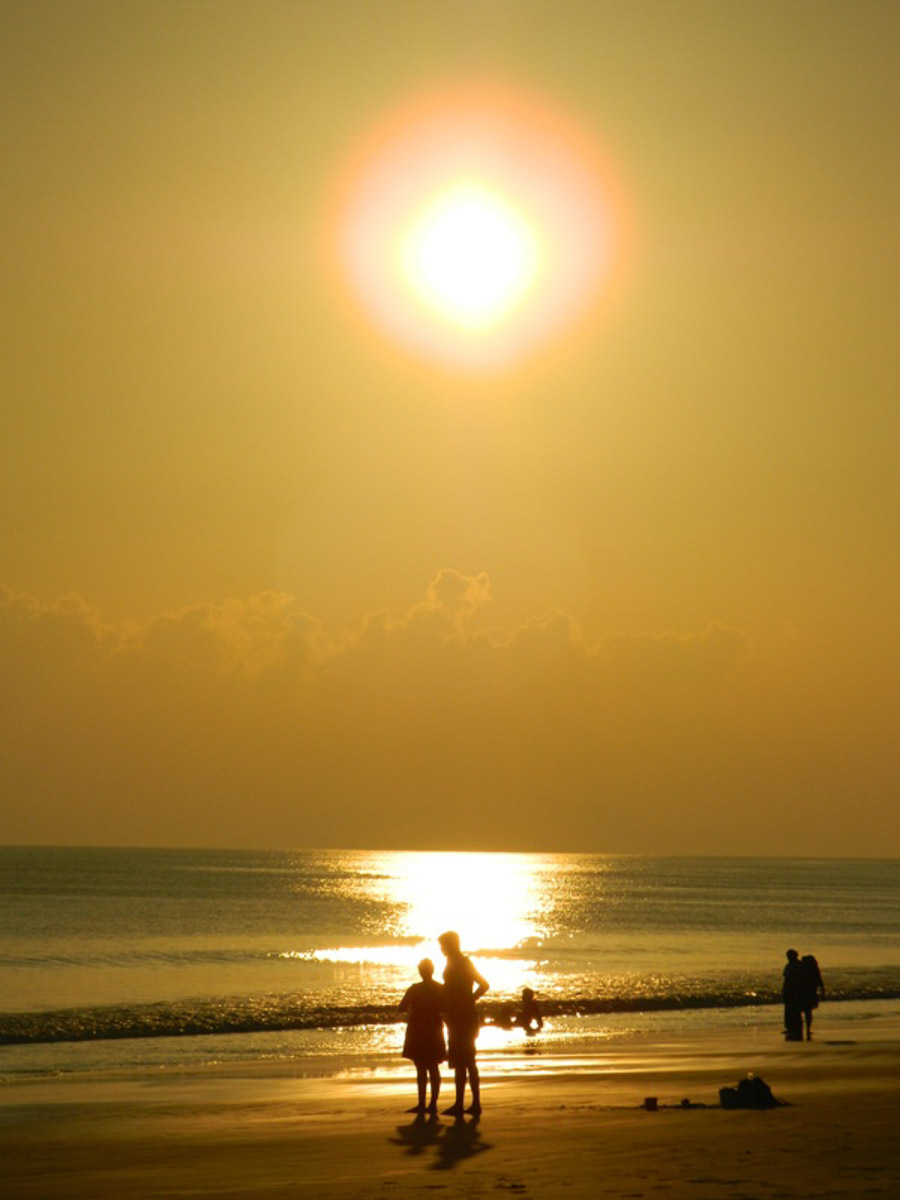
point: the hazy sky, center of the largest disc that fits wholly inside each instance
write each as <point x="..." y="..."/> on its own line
<point x="273" y="580"/>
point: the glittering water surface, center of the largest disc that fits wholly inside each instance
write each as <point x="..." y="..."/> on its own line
<point x="112" y="957"/>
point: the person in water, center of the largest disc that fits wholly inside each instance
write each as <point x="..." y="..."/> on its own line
<point x="424" y="1041"/>
<point x="529" y="1016"/>
<point x="811" y="987"/>
<point x="463" y="986"/>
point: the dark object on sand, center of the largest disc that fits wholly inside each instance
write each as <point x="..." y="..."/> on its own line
<point x="751" y="1092"/>
<point x="651" y="1103"/>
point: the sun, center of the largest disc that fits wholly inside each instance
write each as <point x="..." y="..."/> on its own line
<point x="470" y="256"/>
<point x="474" y="226"/>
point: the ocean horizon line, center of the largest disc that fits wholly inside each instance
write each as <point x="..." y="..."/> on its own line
<point x="720" y="856"/>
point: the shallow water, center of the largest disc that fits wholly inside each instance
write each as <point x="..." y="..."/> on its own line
<point x="117" y="957"/>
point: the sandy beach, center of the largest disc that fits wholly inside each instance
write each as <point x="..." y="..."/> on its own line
<point x="551" y="1127"/>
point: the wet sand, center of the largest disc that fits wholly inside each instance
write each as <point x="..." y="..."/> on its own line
<point x="551" y="1127"/>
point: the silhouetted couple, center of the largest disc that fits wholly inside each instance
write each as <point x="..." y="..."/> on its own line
<point x="429" y="1005"/>
<point x="800" y="990"/>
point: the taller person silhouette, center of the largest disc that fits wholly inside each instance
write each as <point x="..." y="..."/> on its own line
<point x="790" y="991"/>
<point x="463" y="986"/>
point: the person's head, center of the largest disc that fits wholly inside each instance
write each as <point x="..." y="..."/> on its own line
<point x="426" y="968"/>
<point x="792" y="955"/>
<point x="449" y="942"/>
<point x="527" y="994"/>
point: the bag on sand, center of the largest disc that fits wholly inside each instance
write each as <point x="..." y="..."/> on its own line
<point x="751" y="1092"/>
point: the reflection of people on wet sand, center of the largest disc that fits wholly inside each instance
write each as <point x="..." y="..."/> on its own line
<point x="461" y="1140"/>
<point x="529" y="1016"/>
<point x="424" y="1041"/>
<point x="418" y="1137"/>
<point x="811" y="987"/>
<point x="462" y="987"/>
<point x="790" y="992"/>
<point x="451" y="1144"/>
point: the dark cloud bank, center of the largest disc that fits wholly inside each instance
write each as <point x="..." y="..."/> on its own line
<point x="242" y="723"/>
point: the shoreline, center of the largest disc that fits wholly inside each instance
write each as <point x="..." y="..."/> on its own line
<point x="329" y="1051"/>
<point x="553" y="1125"/>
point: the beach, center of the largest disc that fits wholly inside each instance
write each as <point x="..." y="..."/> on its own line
<point x="189" y="1023"/>
<point x="551" y="1127"/>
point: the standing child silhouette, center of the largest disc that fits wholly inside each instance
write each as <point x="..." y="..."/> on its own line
<point x="424" y="1041"/>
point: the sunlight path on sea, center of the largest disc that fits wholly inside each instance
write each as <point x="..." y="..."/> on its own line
<point x="496" y="902"/>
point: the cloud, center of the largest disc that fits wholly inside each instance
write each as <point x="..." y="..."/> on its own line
<point x="237" y="637"/>
<point x="671" y="658"/>
<point x="240" y="722"/>
<point x="456" y="595"/>
<point x="45" y="646"/>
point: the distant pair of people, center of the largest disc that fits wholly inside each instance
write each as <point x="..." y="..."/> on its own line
<point x="429" y="1004"/>
<point x="801" y="988"/>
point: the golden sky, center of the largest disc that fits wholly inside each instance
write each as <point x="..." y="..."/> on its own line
<point x="303" y="547"/>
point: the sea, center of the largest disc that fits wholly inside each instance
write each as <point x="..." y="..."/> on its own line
<point x="118" y="959"/>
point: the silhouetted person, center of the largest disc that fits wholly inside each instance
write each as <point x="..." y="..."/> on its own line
<point x="790" y="991"/>
<point x="811" y="986"/>
<point x="424" y="1041"/>
<point x="529" y="1016"/>
<point x="462" y="987"/>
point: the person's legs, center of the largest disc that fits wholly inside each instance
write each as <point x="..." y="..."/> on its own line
<point x="475" y="1084"/>
<point x="434" y="1072"/>
<point x="793" y="1021"/>
<point x="456" y="1108"/>
<point x="421" y="1080"/>
<point x="798" y="1025"/>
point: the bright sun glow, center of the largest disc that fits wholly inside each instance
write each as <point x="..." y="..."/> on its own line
<point x="492" y="900"/>
<point x="475" y="226"/>
<point x="470" y="256"/>
<point x="489" y="899"/>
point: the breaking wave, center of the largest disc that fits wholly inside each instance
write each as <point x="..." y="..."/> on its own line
<point x="281" y="1013"/>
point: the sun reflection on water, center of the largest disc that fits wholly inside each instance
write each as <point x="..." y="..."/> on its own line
<point x="493" y="900"/>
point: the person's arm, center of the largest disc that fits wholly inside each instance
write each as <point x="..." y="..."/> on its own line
<point x="442" y="998"/>
<point x="406" y="1003"/>
<point x="481" y="985"/>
